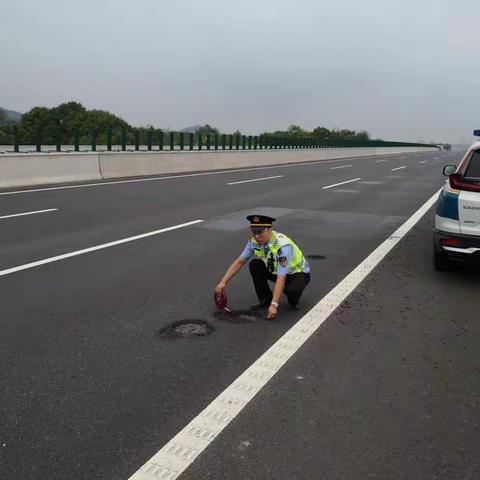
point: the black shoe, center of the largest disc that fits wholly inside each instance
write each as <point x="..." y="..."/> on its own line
<point x="294" y="305"/>
<point x="261" y="305"/>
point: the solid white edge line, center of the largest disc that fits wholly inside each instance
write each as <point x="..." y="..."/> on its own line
<point x="341" y="183"/>
<point x="26" y="266"/>
<point x="29" y="213"/>
<point x="398" y="168"/>
<point x="341" y="166"/>
<point x="254" y="180"/>
<point x="187" y="175"/>
<point x="181" y="451"/>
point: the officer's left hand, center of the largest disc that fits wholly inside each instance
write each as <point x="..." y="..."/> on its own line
<point x="272" y="312"/>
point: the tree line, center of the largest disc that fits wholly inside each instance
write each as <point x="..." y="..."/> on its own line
<point x="69" y="117"/>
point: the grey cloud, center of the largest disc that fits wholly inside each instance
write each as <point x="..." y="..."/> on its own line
<point x="401" y="70"/>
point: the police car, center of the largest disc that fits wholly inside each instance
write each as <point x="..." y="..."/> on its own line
<point x="457" y="217"/>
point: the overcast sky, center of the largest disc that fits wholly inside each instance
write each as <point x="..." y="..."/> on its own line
<point x="402" y="70"/>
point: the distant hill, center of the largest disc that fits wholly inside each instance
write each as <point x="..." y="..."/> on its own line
<point x="11" y="115"/>
<point x="191" y="129"/>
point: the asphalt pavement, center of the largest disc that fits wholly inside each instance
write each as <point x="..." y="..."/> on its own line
<point x="90" y="390"/>
<point x="388" y="388"/>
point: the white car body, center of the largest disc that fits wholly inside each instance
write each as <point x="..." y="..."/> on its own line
<point x="457" y="218"/>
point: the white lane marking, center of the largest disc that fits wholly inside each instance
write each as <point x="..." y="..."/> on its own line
<point x="341" y="183"/>
<point x="341" y="166"/>
<point x="344" y="190"/>
<point x="436" y="158"/>
<point x="423" y="161"/>
<point x="187" y="175"/>
<point x="181" y="451"/>
<point x="255" y="180"/>
<point x="380" y="161"/>
<point x="26" y="266"/>
<point x="398" y="168"/>
<point x="29" y="213"/>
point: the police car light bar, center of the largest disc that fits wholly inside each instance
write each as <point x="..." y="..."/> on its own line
<point x="476" y="133"/>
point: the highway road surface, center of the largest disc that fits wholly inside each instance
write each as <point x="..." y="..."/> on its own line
<point x="386" y="388"/>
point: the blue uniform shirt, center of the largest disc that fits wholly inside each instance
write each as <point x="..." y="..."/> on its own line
<point x="287" y="251"/>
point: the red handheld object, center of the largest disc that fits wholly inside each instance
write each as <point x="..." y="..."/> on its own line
<point x="220" y="300"/>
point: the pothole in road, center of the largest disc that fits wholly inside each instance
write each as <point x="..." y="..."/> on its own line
<point x="186" y="328"/>
<point x="240" y="316"/>
<point x="316" y="257"/>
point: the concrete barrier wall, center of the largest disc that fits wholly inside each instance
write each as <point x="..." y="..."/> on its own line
<point x="26" y="169"/>
<point x="17" y="170"/>
<point x="117" y="165"/>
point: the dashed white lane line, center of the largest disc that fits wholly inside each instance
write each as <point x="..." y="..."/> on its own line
<point x="255" y="180"/>
<point x="26" y="266"/>
<point x="344" y="190"/>
<point x="341" y="166"/>
<point x="182" y="450"/>
<point x="423" y="161"/>
<point x="188" y="175"/>
<point x="398" y="168"/>
<point x="184" y="175"/>
<point x="28" y="213"/>
<point x="341" y="183"/>
<point x="380" y="161"/>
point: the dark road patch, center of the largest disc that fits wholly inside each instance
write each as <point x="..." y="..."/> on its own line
<point x="186" y="328"/>
<point x="316" y="257"/>
<point x="240" y="316"/>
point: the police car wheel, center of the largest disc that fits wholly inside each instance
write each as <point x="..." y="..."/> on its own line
<point x="441" y="261"/>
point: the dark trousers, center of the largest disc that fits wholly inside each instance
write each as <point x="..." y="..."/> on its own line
<point x="295" y="283"/>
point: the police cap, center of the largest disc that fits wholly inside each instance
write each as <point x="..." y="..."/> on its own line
<point x="260" y="222"/>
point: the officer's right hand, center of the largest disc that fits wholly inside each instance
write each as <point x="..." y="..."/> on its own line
<point x="220" y="288"/>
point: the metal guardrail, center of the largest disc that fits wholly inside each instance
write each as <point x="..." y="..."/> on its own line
<point x="158" y="140"/>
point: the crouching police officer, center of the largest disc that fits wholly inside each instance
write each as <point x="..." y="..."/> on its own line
<point x="276" y="258"/>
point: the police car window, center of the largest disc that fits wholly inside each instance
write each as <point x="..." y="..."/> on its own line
<point x="473" y="170"/>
